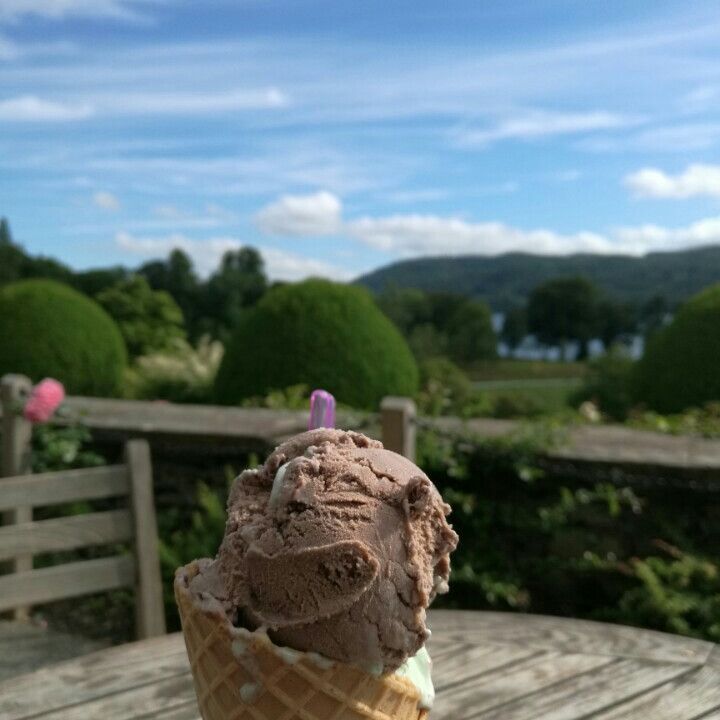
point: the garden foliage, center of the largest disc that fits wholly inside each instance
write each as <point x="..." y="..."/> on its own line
<point x="610" y="384"/>
<point x="574" y="547"/>
<point x="180" y="373"/>
<point x="680" y="366"/>
<point x="149" y="320"/>
<point x="50" y="330"/>
<point x="320" y="334"/>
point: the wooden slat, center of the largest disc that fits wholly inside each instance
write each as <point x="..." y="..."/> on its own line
<point x="64" y="581"/>
<point x="510" y="680"/>
<point x="150" y="607"/>
<point x="576" y="636"/>
<point x="688" y="698"/>
<point x="142" y="701"/>
<point x="66" y="533"/>
<point x="188" y="711"/>
<point x="66" y="486"/>
<point x="28" y="647"/>
<point x="583" y="695"/>
<point x="472" y="660"/>
<point x="93" y="677"/>
<point x="483" y="692"/>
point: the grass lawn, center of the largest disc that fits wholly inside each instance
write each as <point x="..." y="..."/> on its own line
<point x="527" y="387"/>
<point x="537" y="397"/>
<point x="524" y="370"/>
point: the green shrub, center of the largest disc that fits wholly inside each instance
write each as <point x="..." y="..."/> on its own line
<point x="149" y="320"/>
<point x="571" y="545"/>
<point x="57" y="447"/>
<point x="51" y="330"/>
<point x="680" y="365"/>
<point x="703" y="422"/>
<point x="609" y="384"/>
<point x="181" y="374"/>
<point x="182" y="541"/>
<point x="673" y="591"/>
<point x="295" y="397"/>
<point x="320" y="334"/>
<point x="444" y="387"/>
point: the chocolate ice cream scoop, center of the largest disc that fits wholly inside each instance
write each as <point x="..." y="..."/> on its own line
<point x="336" y="546"/>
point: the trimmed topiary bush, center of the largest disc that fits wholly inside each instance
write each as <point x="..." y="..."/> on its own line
<point x="320" y="334"/>
<point x="50" y="330"/>
<point x="680" y="365"/>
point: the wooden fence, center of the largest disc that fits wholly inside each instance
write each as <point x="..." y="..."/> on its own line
<point x="607" y="451"/>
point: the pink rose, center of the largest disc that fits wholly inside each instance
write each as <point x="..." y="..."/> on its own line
<point x="44" y="400"/>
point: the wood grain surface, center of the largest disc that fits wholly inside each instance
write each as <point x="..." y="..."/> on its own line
<point x="490" y="666"/>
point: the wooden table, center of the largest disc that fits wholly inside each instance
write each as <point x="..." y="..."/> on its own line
<point x="492" y="666"/>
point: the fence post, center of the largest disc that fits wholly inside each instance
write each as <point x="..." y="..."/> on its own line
<point x="16" y="437"/>
<point x="16" y="430"/>
<point x="397" y="416"/>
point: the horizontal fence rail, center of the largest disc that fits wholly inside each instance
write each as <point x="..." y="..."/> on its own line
<point x="603" y="450"/>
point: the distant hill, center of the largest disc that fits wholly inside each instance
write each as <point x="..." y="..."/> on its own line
<point x="506" y="280"/>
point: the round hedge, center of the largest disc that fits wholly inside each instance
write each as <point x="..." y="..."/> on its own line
<point x="321" y="334"/>
<point x="50" y="330"/>
<point x="680" y="366"/>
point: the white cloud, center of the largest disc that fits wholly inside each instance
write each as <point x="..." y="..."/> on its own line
<point x="411" y="235"/>
<point x="536" y="124"/>
<point x="11" y="10"/>
<point x="321" y="214"/>
<point x="655" y="237"/>
<point x="8" y="49"/>
<point x="317" y="214"/>
<point x="206" y="255"/>
<point x="106" y="201"/>
<point x="701" y="98"/>
<point x="29" y="108"/>
<point x="189" y="103"/>
<point x="33" y="108"/>
<point x="664" y="139"/>
<point x="694" y="181"/>
<point x="212" y="215"/>
<point x="415" y="235"/>
<point x="283" y="265"/>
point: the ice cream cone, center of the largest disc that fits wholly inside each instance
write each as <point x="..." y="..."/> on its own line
<point x="242" y="675"/>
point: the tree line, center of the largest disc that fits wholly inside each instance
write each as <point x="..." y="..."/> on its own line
<point x="158" y="301"/>
<point x="162" y="300"/>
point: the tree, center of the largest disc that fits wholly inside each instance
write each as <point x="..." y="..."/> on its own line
<point x="654" y="314"/>
<point x="149" y="320"/>
<point x="470" y="333"/>
<point x="5" y="237"/>
<point x="680" y="366"/>
<point x="16" y="264"/>
<point x="177" y="276"/>
<point x="406" y="307"/>
<point x="92" y="282"/>
<point x="426" y="341"/>
<point x="238" y="283"/>
<point x="12" y="258"/>
<point x="514" y="327"/>
<point x="563" y="310"/>
<point x="615" y="319"/>
<point x="319" y="334"/>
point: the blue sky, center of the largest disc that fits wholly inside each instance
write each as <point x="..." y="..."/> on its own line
<point x="338" y="136"/>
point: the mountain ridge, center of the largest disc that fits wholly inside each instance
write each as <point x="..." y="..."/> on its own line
<point x="505" y="281"/>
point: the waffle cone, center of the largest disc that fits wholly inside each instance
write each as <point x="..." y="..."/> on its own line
<point x="260" y="681"/>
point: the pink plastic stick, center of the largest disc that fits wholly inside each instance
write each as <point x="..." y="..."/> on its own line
<point x="322" y="410"/>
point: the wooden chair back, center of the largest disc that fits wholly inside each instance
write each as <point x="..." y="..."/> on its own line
<point x="137" y="523"/>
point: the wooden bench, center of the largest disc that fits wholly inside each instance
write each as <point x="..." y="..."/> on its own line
<point x="136" y="523"/>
